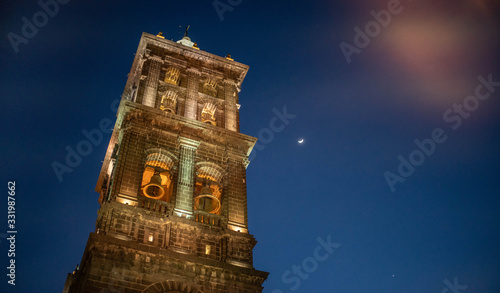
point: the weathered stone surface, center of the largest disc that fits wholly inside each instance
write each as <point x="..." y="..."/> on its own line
<point x="162" y="240"/>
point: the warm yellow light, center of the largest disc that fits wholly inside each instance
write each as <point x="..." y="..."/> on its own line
<point x="237" y="229"/>
<point x="150" y="237"/>
<point x="126" y="201"/>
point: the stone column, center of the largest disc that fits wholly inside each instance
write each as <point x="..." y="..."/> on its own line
<point x="185" y="182"/>
<point x="149" y="97"/>
<point x="193" y="79"/>
<point x="230" y="94"/>
<point x="237" y="194"/>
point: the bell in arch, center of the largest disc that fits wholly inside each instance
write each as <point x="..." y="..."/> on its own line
<point x="206" y="201"/>
<point x="154" y="189"/>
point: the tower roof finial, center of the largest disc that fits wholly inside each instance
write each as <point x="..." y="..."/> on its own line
<point x="186" y="41"/>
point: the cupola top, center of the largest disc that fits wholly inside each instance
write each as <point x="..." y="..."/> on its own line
<point x="186" y="41"/>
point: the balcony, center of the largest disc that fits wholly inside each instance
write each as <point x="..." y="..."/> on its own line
<point x="154" y="206"/>
<point x="207" y="218"/>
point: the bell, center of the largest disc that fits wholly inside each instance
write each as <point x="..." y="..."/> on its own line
<point x="206" y="191"/>
<point x="154" y="189"/>
<point x="207" y="202"/>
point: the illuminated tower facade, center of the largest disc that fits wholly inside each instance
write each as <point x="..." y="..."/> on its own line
<point x="173" y="202"/>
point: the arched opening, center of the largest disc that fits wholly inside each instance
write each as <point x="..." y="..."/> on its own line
<point x="170" y="286"/>
<point x="169" y="102"/>
<point x="156" y="178"/>
<point x="208" y="189"/>
<point x="172" y="76"/>
<point x="208" y="195"/>
<point x="208" y="114"/>
<point x="210" y="87"/>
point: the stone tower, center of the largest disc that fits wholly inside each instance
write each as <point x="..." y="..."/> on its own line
<point x="173" y="203"/>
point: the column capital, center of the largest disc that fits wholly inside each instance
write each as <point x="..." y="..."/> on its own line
<point x="192" y="70"/>
<point x="155" y="58"/>
<point x="229" y="82"/>
<point x="188" y="142"/>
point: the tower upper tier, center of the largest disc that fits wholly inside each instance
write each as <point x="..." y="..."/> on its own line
<point x="181" y="79"/>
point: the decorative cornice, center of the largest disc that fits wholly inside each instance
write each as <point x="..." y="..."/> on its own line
<point x="155" y="59"/>
<point x="171" y="60"/>
<point x="229" y="82"/>
<point x="137" y="114"/>
<point x="166" y="259"/>
<point x="212" y="61"/>
<point x="192" y="70"/>
<point x="187" y="142"/>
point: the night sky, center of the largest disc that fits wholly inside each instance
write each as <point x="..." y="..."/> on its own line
<point x="411" y="93"/>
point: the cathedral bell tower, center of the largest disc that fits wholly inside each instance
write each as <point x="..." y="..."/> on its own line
<point x="173" y="202"/>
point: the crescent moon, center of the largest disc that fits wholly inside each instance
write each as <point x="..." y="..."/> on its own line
<point x="301" y="140"/>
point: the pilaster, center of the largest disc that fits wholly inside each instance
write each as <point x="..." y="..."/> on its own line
<point x="185" y="183"/>
<point x="190" y="110"/>
<point x="230" y="105"/>
<point x="237" y="194"/>
<point x="151" y="87"/>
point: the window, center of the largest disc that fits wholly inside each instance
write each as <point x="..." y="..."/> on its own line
<point x="208" y="188"/>
<point x="172" y="75"/>
<point x="210" y="87"/>
<point x="169" y="102"/>
<point x="208" y="114"/>
<point x="157" y="178"/>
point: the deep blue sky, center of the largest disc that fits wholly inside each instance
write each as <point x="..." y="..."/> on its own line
<point x="356" y="118"/>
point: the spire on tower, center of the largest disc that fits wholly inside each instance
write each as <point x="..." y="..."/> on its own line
<point x="186" y="41"/>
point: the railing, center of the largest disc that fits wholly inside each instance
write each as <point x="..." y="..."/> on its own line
<point x="154" y="206"/>
<point x="207" y="218"/>
<point x="164" y="208"/>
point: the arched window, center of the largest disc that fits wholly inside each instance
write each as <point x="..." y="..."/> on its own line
<point x="172" y="286"/>
<point x="157" y="177"/>
<point x="210" y="87"/>
<point x="172" y="76"/>
<point x="208" y="188"/>
<point x="208" y="114"/>
<point x="169" y="102"/>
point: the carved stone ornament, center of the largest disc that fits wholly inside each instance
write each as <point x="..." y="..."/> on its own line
<point x="172" y="75"/>
<point x="210" y="87"/>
